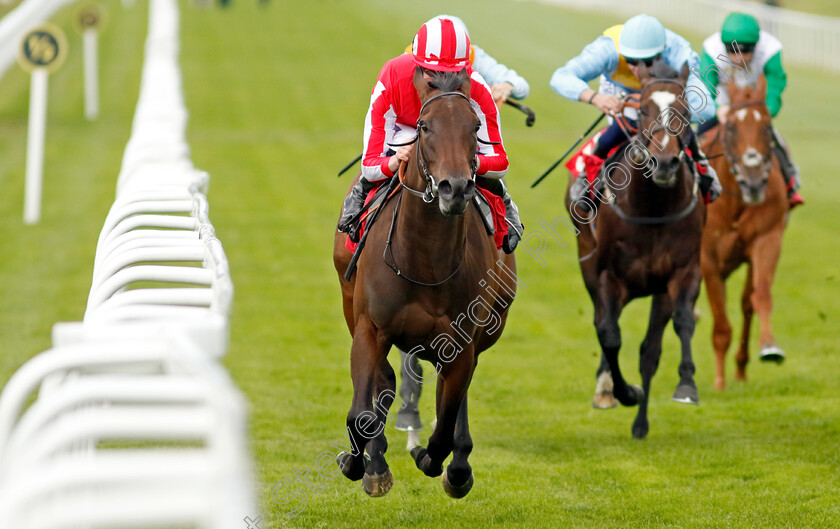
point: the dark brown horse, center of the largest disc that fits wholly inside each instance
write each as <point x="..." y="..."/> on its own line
<point x="745" y="225"/>
<point x="429" y="281"/>
<point x="646" y="242"/>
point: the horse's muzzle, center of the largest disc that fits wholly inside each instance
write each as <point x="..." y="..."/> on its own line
<point x="455" y="195"/>
<point x="665" y="174"/>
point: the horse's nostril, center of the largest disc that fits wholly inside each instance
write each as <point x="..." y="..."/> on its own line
<point x="469" y="190"/>
<point x="445" y="189"/>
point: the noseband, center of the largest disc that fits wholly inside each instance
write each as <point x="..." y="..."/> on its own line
<point x="431" y="192"/>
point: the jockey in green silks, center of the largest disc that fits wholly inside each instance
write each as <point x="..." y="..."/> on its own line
<point x="745" y="44"/>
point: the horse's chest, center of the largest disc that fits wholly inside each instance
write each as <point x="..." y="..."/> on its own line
<point x="646" y="263"/>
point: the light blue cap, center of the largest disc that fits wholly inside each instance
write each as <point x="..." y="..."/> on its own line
<point x="642" y="37"/>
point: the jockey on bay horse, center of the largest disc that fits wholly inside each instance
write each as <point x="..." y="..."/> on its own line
<point x="615" y="57"/>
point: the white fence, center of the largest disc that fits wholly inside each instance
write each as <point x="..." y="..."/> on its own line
<point x="142" y="367"/>
<point x="809" y="40"/>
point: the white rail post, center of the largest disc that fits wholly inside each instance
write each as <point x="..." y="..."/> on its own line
<point x="35" y="146"/>
<point x="42" y="50"/>
<point x="90" y="40"/>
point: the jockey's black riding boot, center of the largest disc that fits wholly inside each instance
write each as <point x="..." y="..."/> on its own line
<point x="515" y="227"/>
<point x="709" y="182"/>
<point x="578" y="192"/>
<point x="352" y="207"/>
<point x="789" y="171"/>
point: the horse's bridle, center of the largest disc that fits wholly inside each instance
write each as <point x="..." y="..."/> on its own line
<point x="431" y="192"/>
<point x="645" y="142"/>
<point x="429" y="196"/>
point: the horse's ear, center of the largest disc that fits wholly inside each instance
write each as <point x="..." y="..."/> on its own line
<point x="421" y="84"/>
<point x="684" y="72"/>
<point x="465" y="81"/>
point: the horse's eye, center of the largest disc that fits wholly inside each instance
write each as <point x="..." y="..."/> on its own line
<point x="423" y="126"/>
<point x="478" y="126"/>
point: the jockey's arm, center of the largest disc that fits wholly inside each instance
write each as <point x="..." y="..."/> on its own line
<point x="679" y="53"/>
<point x="379" y="131"/>
<point x="598" y="57"/>
<point x="776" y="83"/>
<point x="496" y="73"/>
<point x="492" y="159"/>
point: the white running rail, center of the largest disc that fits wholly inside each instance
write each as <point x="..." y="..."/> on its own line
<point x="135" y="422"/>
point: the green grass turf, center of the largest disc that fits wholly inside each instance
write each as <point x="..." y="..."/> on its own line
<point x="277" y="96"/>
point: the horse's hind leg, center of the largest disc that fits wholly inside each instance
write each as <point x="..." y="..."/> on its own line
<point x="650" y="352"/>
<point x="684" y="289"/>
<point x="453" y="382"/>
<point x="742" y="357"/>
<point x="378" y="479"/>
<point x="607" y="310"/>
<point x="458" y="477"/>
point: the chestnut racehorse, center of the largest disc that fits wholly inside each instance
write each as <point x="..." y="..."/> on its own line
<point x="646" y="242"/>
<point x="745" y="225"/>
<point x="427" y="263"/>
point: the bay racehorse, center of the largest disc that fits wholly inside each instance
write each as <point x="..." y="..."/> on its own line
<point x="429" y="281"/>
<point x="745" y="225"/>
<point x="646" y="241"/>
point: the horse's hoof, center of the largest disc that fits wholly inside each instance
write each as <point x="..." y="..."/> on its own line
<point x="640" y="430"/>
<point x="377" y="485"/>
<point x="457" y="491"/>
<point x="604" y="401"/>
<point x="408" y="420"/>
<point x="425" y="463"/>
<point x="634" y="397"/>
<point x="720" y="384"/>
<point x="604" y="398"/>
<point x="686" y="394"/>
<point x="771" y="353"/>
<point x="352" y="468"/>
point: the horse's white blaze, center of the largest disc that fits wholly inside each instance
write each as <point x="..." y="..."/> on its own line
<point x="741" y="114"/>
<point x="665" y="140"/>
<point x="663" y="100"/>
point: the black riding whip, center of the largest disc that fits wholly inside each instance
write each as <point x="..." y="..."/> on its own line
<point x="555" y="164"/>
<point x="351" y="164"/>
<point x="529" y="121"/>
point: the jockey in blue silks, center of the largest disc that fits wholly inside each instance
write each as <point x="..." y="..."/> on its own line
<point x="615" y="57"/>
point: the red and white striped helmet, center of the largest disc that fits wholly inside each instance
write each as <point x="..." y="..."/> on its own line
<point x="442" y="44"/>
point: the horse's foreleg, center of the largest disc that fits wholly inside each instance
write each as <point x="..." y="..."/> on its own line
<point x="722" y="332"/>
<point x="367" y="352"/>
<point x="607" y="310"/>
<point x="453" y="382"/>
<point x="650" y="352"/>
<point x="458" y="477"/>
<point x="765" y="256"/>
<point x="742" y="357"/>
<point x="684" y="289"/>
<point x="378" y="479"/>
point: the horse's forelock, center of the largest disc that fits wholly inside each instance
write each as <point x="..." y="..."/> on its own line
<point x="445" y="81"/>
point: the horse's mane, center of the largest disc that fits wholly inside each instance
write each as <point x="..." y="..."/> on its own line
<point x="662" y="70"/>
<point x="445" y="81"/>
